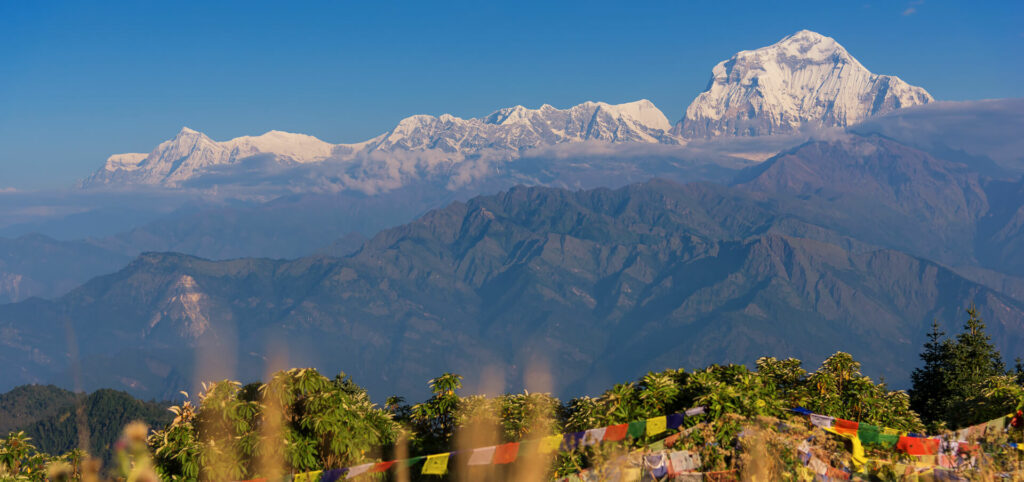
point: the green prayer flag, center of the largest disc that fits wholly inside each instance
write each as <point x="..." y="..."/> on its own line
<point x="868" y="433"/>
<point x="888" y="439"/>
<point x="529" y="447"/>
<point x="414" y="461"/>
<point x="637" y="429"/>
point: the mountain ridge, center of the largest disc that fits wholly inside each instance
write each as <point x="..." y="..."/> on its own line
<point x="804" y="80"/>
<point x="505" y="132"/>
<point x="601" y="283"/>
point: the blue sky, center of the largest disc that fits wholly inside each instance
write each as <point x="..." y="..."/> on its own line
<point x="82" y="80"/>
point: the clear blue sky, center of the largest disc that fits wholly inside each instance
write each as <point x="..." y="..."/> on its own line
<point x="82" y="80"/>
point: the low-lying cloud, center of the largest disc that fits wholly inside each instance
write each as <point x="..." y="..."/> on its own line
<point x="985" y="128"/>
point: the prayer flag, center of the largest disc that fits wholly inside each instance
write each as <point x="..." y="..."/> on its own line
<point x="817" y="466"/>
<point x="382" y="466"/>
<point x="482" y="456"/>
<point x="839" y="474"/>
<point x="332" y="475"/>
<point x="675" y="420"/>
<point x="683" y="461"/>
<point x="868" y="433"/>
<point x="654" y="464"/>
<point x="637" y="429"/>
<point x="631" y="473"/>
<point x="961" y="435"/>
<point x="802" y="411"/>
<point x="308" y="476"/>
<point x="995" y="426"/>
<point x="888" y="437"/>
<point x="414" y="460"/>
<point x="358" y="470"/>
<point x="968" y="447"/>
<point x="857" y="458"/>
<point x="549" y="444"/>
<point x="616" y="432"/>
<point x="845" y="426"/>
<point x="975" y="432"/>
<point x="656" y="425"/>
<point x="571" y="440"/>
<point x="436" y="464"/>
<point x="821" y="420"/>
<point x="918" y="446"/>
<point x="506" y="453"/>
<point x="693" y="412"/>
<point x="593" y="436"/>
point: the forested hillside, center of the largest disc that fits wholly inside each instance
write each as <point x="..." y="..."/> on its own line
<point x="26" y="404"/>
<point x="53" y="417"/>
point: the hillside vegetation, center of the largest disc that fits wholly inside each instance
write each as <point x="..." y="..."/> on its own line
<point x="55" y="419"/>
<point x="302" y="421"/>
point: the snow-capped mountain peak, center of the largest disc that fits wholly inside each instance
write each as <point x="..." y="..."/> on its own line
<point x="190" y="152"/>
<point x="506" y="132"/>
<point x="515" y="128"/>
<point x="186" y="131"/>
<point x="642" y="111"/>
<point x="804" y="79"/>
<point x="300" y="148"/>
<point x="811" y="46"/>
<point x="128" y="161"/>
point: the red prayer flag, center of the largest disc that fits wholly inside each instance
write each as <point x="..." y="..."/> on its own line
<point x="834" y="473"/>
<point x="507" y="453"/>
<point x="968" y="447"/>
<point x="846" y="427"/>
<point x="382" y="466"/>
<point x="615" y="433"/>
<point x="918" y="446"/>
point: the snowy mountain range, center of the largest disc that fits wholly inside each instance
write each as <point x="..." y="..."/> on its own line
<point x="805" y="79"/>
<point x="504" y="133"/>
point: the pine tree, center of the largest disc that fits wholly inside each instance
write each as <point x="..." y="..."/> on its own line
<point x="931" y="392"/>
<point x="975" y="359"/>
<point x="954" y="372"/>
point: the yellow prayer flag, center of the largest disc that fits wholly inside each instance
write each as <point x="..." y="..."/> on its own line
<point x="436" y="464"/>
<point x="927" y="460"/>
<point x="857" y="458"/>
<point x="549" y="444"/>
<point x="308" y="476"/>
<point x="656" y="425"/>
<point x="631" y="474"/>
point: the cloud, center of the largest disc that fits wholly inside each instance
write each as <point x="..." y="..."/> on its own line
<point x="984" y="128"/>
<point x="912" y="7"/>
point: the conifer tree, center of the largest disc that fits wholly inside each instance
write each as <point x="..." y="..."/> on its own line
<point x="975" y="359"/>
<point x="931" y="392"/>
<point x="954" y="372"/>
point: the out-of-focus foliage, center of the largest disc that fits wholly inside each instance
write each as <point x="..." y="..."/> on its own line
<point x="325" y="423"/>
